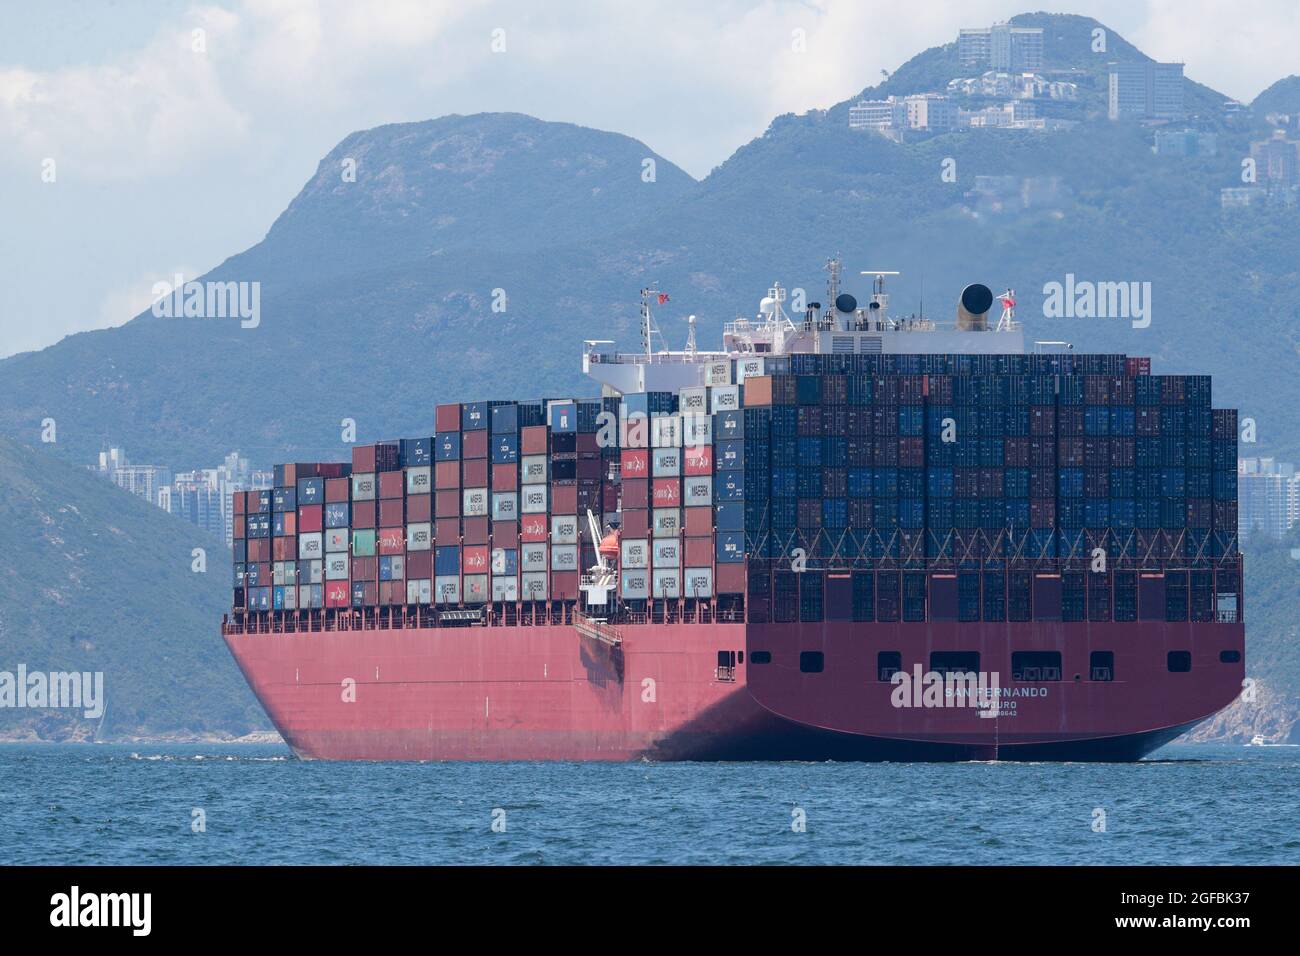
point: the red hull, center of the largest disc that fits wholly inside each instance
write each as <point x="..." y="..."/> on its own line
<point x="549" y="693"/>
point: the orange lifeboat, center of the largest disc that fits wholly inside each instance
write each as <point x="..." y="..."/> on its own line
<point x="609" y="544"/>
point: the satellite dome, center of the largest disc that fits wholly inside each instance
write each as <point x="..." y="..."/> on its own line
<point x="845" y="302"/>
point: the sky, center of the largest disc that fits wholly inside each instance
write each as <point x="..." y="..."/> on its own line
<point x="144" y="138"/>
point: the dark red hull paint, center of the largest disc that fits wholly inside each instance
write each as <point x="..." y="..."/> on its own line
<point x="548" y="693"/>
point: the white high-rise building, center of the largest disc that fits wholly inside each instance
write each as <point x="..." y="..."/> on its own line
<point x="1001" y="47"/>
<point x="1147" y="90"/>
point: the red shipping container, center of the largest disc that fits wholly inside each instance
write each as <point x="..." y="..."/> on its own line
<point x="387" y="591"/>
<point x="338" y="593"/>
<point x="391" y="541"/>
<point x="446" y="418"/>
<point x="310" y="518"/>
<point x="699" y="551"/>
<point x="589" y="469"/>
<point x="667" y="492"/>
<point x="532" y="440"/>
<point x="635" y="463"/>
<point x="259" y="550"/>
<point x="337" y="489"/>
<point x="564" y="499"/>
<point x="505" y="477"/>
<point x="474" y="445"/>
<point x="474" y="560"/>
<point x="370" y="592"/>
<point x="446" y="475"/>
<point x="609" y="498"/>
<point x="636" y="494"/>
<point x="698" y="461"/>
<point x="392" y="484"/>
<point x="1138" y="365"/>
<point x="363" y="458"/>
<point x="391" y="511"/>
<point x="419" y="508"/>
<point x="533" y="528"/>
<point x="446" y="531"/>
<point x="475" y="530"/>
<point x="564" y="584"/>
<point x="587" y="443"/>
<point x="699" y="522"/>
<point x="284" y="549"/>
<point x="446" y="504"/>
<point x="729" y="578"/>
<point x="475" y="473"/>
<point x="505" y="534"/>
<point x="636" y="524"/>
<point x="239" y="530"/>
<point x="363" y="514"/>
<point x="239" y="502"/>
<point x="419" y="564"/>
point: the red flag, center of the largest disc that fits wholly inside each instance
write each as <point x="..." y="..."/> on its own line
<point x="1008" y="302"/>
<point x="663" y="297"/>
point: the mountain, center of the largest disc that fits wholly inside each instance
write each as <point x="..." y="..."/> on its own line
<point x="1282" y="97"/>
<point x="97" y="580"/>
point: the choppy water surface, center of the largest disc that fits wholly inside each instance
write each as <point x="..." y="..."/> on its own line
<point x="135" y="804"/>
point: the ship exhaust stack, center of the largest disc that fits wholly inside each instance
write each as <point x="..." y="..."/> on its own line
<point x="973" y="308"/>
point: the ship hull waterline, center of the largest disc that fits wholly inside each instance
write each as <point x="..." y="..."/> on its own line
<point x="551" y="693"/>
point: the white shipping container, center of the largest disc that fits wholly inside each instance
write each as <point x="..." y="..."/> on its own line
<point x="532" y="470"/>
<point x="667" y="463"/>
<point x="474" y="502"/>
<point x="667" y="583"/>
<point x="666" y="431"/>
<point x="336" y="539"/>
<point x="697" y="430"/>
<point x="304" y="596"/>
<point x="311" y="546"/>
<point x="697" y="491"/>
<point x="667" y="522"/>
<point x="533" y="500"/>
<point x="397" y="567"/>
<point x="532" y="557"/>
<point x="635" y="584"/>
<point x="291" y="598"/>
<point x="419" y="591"/>
<point x="532" y="586"/>
<point x="564" y="557"/>
<point x="726" y="399"/>
<point x="748" y="368"/>
<point x="336" y="567"/>
<point x="363" y="487"/>
<point x="277" y="573"/>
<point x="636" y="553"/>
<point x="315" y="572"/>
<point x="564" y="530"/>
<point x="698" y="583"/>
<point x="718" y="373"/>
<point x="505" y="588"/>
<point x="419" y="480"/>
<point x="505" y="505"/>
<point x="446" y="589"/>
<point x="476" y="588"/>
<point x="693" y="400"/>
<point x="419" y="536"/>
<point x="668" y="554"/>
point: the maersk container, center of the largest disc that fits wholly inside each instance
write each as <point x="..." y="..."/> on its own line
<point x="564" y="557"/>
<point x="564" y="529"/>
<point x="477" y="590"/>
<point x="505" y="505"/>
<point x="311" y="546"/>
<point x="634" y="584"/>
<point x="718" y="373"/>
<point x="666" y="522"/>
<point x="533" y="586"/>
<point x="693" y="400"/>
<point x="665" y="463"/>
<point x="697" y="491"/>
<point x="634" y="553"/>
<point x="419" y="536"/>
<point x="474" y="502"/>
<point x="419" y="591"/>
<point x="725" y="399"/>
<point x="666" y="583"/>
<point x="533" y="499"/>
<point x="667" y="553"/>
<point x="419" y="480"/>
<point x="666" y="431"/>
<point x="446" y="589"/>
<point x="336" y="566"/>
<point x="533" y="470"/>
<point x="364" y="487"/>
<point x="697" y="430"/>
<point x="505" y="588"/>
<point x="532" y="556"/>
<point x="748" y="368"/>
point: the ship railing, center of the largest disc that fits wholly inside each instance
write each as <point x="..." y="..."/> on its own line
<point x="726" y="673"/>
<point x="1226" y="615"/>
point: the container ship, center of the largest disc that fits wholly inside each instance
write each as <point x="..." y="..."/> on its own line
<point x="845" y="535"/>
